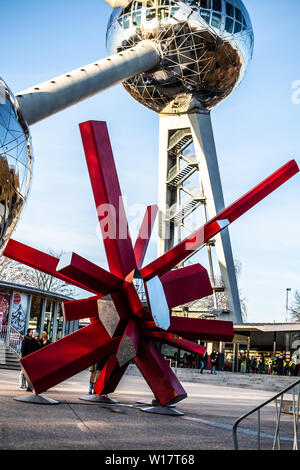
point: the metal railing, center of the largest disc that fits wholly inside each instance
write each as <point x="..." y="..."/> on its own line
<point x="11" y="338"/>
<point x="294" y="410"/>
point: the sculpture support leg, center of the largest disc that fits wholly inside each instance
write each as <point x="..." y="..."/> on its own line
<point x="157" y="373"/>
<point x="110" y="376"/>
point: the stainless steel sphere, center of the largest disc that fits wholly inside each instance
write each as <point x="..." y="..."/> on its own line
<point x="206" y="47"/>
<point x="15" y="162"/>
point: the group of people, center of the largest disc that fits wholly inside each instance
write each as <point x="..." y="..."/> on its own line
<point x="277" y="365"/>
<point x="32" y="342"/>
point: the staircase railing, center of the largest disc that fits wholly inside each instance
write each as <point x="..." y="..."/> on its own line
<point x="11" y="338"/>
<point x="278" y="399"/>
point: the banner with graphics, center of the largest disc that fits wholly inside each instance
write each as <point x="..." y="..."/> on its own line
<point x="4" y="308"/>
<point x="19" y="312"/>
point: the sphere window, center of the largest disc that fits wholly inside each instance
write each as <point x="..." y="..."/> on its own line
<point x="217" y="5"/>
<point x="237" y="27"/>
<point x="205" y="15"/>
<point x="162" y="13"/>
<point x="229" y="25"/>
<point x="229" y="10"/>
<point x="238" y="15"/>
<point x="216" y="20"/>
<point x="174" y="10"/>
<point x="137" y="18"/>
<point x="205" y="4"/>
<point x="126" y="23"/>
<point x="150" y="14"/>
<point x="137" y="6"/>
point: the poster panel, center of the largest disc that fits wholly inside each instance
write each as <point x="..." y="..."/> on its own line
<point x="19" y="312"/>
<point x="4" y="308"/>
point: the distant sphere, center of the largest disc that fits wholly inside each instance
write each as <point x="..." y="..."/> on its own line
<point x="206" y="47"/>
<point x="15" y="162"/>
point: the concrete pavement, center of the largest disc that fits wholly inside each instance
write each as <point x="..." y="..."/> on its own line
<point x="210" y="410"/>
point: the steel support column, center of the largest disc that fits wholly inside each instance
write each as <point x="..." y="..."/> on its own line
<point x="43" y="313"/>
<point x="11" y="302"/>
<point x="54" y="329"/>
<point x="28" y="314"/>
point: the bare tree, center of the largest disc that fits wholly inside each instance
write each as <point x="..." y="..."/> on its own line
<point x="17" y="273"/>
<point x="295" y="308"/>
<point x="208" y="304"/>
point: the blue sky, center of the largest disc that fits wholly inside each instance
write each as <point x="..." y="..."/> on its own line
<point x="256" y="131"/>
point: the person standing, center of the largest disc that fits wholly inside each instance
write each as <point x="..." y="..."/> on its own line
<point x="44" y="340"/>
<point x="213" y="360"/>
<point x="26" y="349"/>
<point x="203" y="362"/>
<point x="253" y="365"/>
<point x="36" y="345"/>
<point x="280" y="364"/>
<point x="261" y="365"/>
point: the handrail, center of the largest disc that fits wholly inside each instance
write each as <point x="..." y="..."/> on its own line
<point x="258" y="408"/>
<point x="12" y="338"/>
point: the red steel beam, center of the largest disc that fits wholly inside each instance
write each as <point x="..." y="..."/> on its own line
<point x="186" y="284"/>
<point x="196" y="329"/>
<point x="157" y="373"/>
<point x="80" y="309"/>
<point x="201" y="236"/>
<point x="60" y="360"/>
<point x="144" y="235"/>
<point x="88" y="274"/>
<point x="110" y="376"/>
<point x="108" y="198"/>
<point x="39" y="260"/>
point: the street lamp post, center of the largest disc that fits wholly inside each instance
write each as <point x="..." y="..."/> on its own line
<point x="288" y="289"/>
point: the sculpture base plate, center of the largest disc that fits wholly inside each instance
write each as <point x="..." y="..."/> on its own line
<point x="36" y="399"/>
<point x="162" y="410"/>
<point x="99" y="399"/>
<point x="153" y="403"/>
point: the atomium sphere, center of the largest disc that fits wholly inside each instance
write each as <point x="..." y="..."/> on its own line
<point x="206" y="46"/>
<point x="15" y="162"/>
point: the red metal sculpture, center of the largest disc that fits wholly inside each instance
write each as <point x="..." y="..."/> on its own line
<point x="122" y="328"/>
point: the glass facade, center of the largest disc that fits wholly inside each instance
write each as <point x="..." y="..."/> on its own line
<point x="29" y="308"/>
